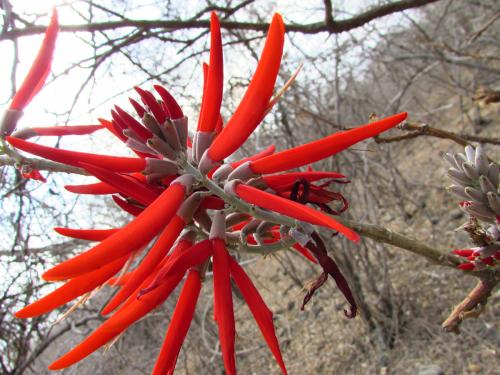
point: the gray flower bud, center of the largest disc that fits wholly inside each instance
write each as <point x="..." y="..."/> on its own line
<point x="480" y="161"/>
<point x="494" y="201"/>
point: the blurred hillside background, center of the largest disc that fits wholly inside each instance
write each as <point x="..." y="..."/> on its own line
<point x="437" y="60"/>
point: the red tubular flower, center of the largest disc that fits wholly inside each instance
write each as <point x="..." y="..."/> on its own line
<point x="323" y="148"/>
<point x="74" y="158"/>
<point x="57" y="131"/>
<point x="161" y="247"/>
<point x="256" y="99"/>
<point x="212" y="96"/>
<point x="223" y="304"/>
<point x="72" y="289"/>
<point x="291" y="208"/>
<point x="261" y="313"/>
<point x="86" y="234"/>
<point x="117" y="323"/>
<point x="149" y="188"/>
<point x="128" y="207"/>
<point x="179" y="324"/>
<point x="133" y="124"/>
<point x="266" y="152"/>
<point x="173" y="107"/>
<point x="149" y="100"/>
<point x="124" y="184"/>
<point x="131" y="237"/>
<point x="40" y="69"/>
<point x="180" y="263"/>
<point x="97" y="188"/>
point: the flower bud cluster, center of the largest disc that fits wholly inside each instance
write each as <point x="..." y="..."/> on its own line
<point x="476" y="182"/>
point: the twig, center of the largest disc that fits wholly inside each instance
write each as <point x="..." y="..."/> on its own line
<point x="471" y="306"/>
<point x="424" y="129"/>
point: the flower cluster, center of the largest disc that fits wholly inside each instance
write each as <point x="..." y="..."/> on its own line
<point x="477" y="183"/>
<point x="192" y="209"/>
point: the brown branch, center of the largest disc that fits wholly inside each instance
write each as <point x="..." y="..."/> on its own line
<point x="332" y="27"/>
<point x="387" y="236"/>
<point x="471" y="307"/>
<point x="424" y="129"/>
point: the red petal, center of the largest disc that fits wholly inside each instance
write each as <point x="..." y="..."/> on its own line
<point x="323" y="148"/>
<point x="292" y="209"/>
<point x="114" y="163"/>
<point x="125" y="184"/>
<point x="98" y="188"/>
<point x="261" y="313"/>
<point x="256" y="99"/>
<point x="86" y="234"/>
<point x="266" y="152"/>
<point x="40" y="67"/>
<point x="179" y="324"/>
<point x="66" y="130"/>
<point x="223" y="304"/>
<point x="72" y="289"/>
<point x="173" y="107"/>
<point x="212" y="96"/>
<point x="117" y="323"/>
<point x="131" y="237"/>
<point x="154" y="256"/>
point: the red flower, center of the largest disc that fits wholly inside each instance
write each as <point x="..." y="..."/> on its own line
<point x="176" y="187"/>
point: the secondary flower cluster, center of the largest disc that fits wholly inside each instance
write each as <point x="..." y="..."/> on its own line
<point x="477" y="182"/>
<point x="192" y="209"/>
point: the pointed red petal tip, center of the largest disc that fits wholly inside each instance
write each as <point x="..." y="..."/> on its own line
<point x="212" y="93"/>
<point x="323" y="148"/>
<point x="40" y="68"/>
<point x="74" y="158"/>
<point x="223" y="304"/>
<point x="261" y="313"/>
<point x="293" y="209"/>
<point x="155" y="107"/>
<point x="86" y="234"/>
<point x="116" y="324"/>
<point x="179" y="324"/>
<point x="125" y="185"/>
<point x="131" y="237"/>
<point x="256" y="99"/>
<point x="173" y="107"/>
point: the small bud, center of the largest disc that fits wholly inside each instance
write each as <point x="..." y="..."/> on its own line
<point x="218" y="229"/>
<point x="459" y="177"/>
<point x="470" y="153"/>
<point x="165" y="167"/>
<point x="494" y="202"/>
<point x="475" y="194"/>
<point x="470" y="171"/>
<point x="162" y="147"/>
<point x="243" y="172"/>
<point x="486" y="184"/>
<point x="9" y="121"/>
<point x="493" y="174"/>
<point x="458" y="190"/>
<point x="480" y="161"/>
<point x="181" y="127"/>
